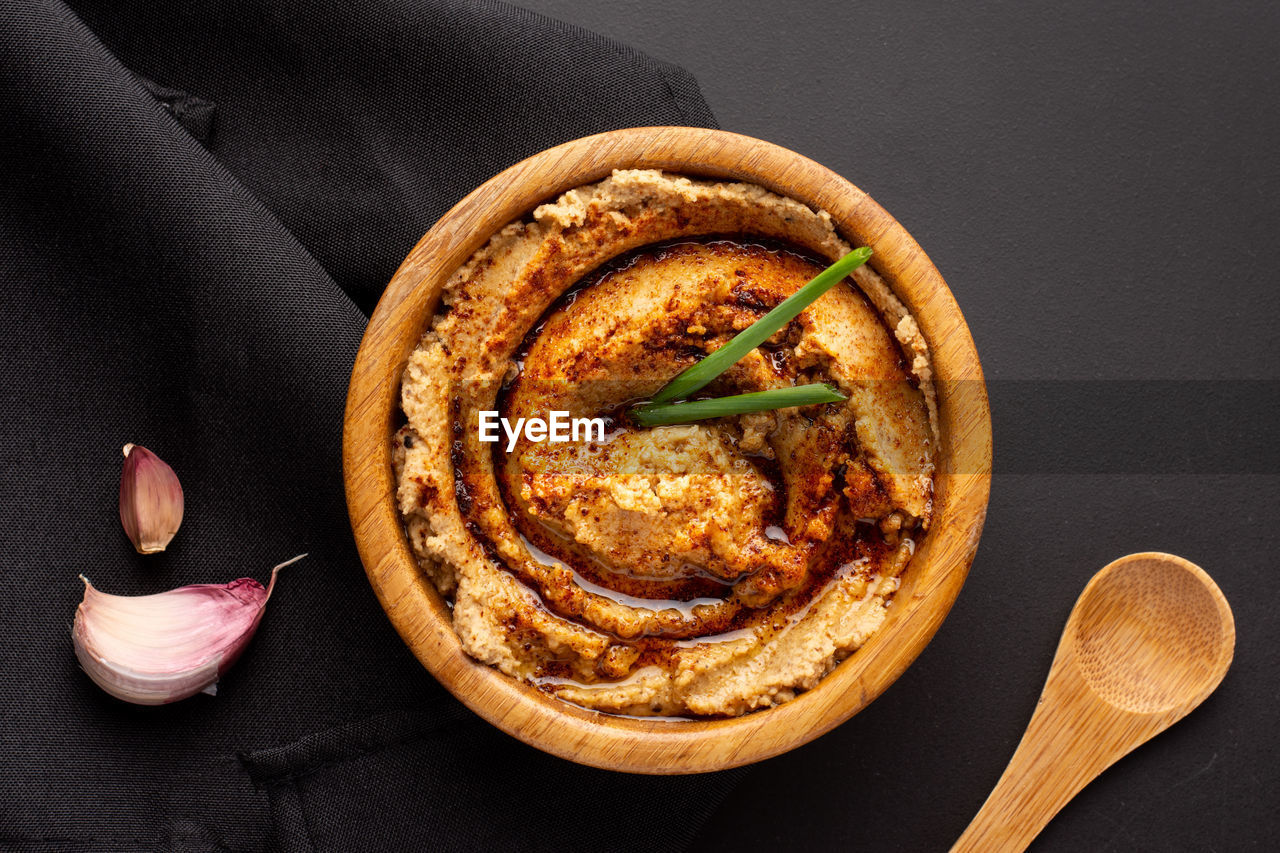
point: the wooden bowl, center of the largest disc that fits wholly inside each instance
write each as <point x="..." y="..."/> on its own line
<point x="932" y="579"/>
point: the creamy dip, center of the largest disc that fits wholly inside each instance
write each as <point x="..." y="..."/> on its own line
<point x="703" y="569"/>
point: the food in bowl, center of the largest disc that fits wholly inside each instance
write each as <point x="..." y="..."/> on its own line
<point x="705" y="569"/>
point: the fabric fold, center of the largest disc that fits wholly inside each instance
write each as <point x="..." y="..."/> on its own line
<point x="419" y="766"/>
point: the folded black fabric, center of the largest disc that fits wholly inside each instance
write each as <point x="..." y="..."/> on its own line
<point x="198" y="207"/>
<point x="425" y="770"/>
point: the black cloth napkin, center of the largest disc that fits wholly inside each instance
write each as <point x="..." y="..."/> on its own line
<point x="199" y="205"/>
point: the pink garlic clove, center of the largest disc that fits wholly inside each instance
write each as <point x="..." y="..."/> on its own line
<point x="150" y="500"/>
<point x="156" y="649"/>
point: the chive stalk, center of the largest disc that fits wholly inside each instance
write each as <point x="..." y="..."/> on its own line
<point x="662" y="414"/>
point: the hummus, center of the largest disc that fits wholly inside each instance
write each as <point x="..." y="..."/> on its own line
<point x="704" y="569"/>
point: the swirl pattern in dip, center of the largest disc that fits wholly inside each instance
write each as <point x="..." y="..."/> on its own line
<point x="705" y="569"/>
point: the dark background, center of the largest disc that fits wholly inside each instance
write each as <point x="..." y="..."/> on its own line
<point x="1098" y="184"/>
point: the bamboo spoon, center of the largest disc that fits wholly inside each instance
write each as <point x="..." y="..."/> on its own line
<point x="1150" y="637"/>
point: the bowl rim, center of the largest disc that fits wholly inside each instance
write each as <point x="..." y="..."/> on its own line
<point x="417" y="611"/>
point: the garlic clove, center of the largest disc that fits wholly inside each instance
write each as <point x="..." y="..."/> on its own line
<point x="150" y="500"/>
<point x="156" y="649"/>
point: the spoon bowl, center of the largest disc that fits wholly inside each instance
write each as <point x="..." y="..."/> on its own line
<point x="1152" y="632"/>
<point x="1149" y="639"/>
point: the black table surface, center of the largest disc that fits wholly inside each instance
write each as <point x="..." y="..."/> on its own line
<point x="1098" y="184"/>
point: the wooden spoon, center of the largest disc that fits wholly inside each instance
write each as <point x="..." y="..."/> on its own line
<point x="1150" y="637"/>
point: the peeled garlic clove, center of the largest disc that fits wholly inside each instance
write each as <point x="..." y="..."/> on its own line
<point x="155" y="649"/>
<point x="150" y="500"/>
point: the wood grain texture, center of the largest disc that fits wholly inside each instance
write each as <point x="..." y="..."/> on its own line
<point x="932" y="580"/>
<point x="1149" y="639"/>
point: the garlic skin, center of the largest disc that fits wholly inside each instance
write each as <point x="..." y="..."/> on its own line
<point x="150" y="500"/>
<point x="156" y="649"/>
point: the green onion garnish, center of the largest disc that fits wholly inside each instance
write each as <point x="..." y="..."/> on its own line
<point x="661" y="414"/>
<point x="698" y="375"/>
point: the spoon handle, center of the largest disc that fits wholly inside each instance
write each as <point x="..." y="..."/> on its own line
<point x="1071" y="738"/>
<point x="1149" y="638"/>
